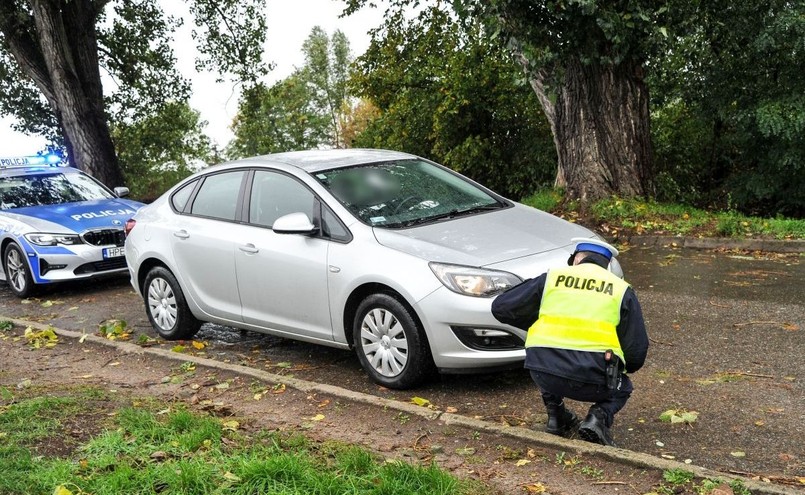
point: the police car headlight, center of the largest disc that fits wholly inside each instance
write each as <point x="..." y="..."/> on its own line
<point x="52" y="239"/>
<point x="472" y="281"/>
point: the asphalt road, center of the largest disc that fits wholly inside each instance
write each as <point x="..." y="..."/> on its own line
<point x="727" y="340"/>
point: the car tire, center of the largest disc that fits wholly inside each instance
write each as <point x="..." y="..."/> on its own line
<point x="18" y="272"/>
<point x="166" y="306"/>
<point x="390" y="343"/>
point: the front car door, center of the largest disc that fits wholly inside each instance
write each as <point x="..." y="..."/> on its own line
<point x="282" y="277"/>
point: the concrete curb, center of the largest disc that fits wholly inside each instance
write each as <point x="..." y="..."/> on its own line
<point x="617" y="455"/>
<point x="769" y="245"/>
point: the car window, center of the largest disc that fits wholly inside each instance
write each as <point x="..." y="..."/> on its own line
<point x="405" y="193"/>
<point x="49" y="189"/>
<point x="218" y="196"/>
<point x="180" y="197"/>
<point x="275" y="195"/>
<point x="332" y="227"/>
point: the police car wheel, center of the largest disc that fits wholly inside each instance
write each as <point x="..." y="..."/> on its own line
<point x="166" y="306"/>
<point x="390" y="342"/>
<point x="18" y="275"/>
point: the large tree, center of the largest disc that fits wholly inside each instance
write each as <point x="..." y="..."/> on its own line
<point x="52" y="52"/>
<point x="585" y="61"/>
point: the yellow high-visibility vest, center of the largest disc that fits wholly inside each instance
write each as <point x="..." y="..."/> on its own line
<point x="580" y="310"/>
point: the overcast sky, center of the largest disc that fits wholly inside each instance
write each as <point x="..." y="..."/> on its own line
<point x="289" y="23"/>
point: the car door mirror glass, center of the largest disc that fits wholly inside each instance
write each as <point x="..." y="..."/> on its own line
<point x="294" y="223"/>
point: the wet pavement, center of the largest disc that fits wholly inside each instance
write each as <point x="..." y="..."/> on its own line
<point x="727" y="340"/>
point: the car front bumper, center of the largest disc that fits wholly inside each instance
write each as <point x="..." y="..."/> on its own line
<point x="59" y="263"/>
<point x="449" y="318"/>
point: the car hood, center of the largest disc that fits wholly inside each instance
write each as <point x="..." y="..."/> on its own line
<point x="486" y="238"/>
<point x="76" y="217"/>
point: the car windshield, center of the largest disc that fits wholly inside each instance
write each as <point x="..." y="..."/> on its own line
<point x="48" y="189"/>
<point x="405" y="193"/>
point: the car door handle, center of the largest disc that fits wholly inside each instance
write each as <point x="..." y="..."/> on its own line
<point x="249" y="249"/>
<point x="181" y="234"/>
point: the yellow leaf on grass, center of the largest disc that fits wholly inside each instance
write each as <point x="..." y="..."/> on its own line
<point x="231" y="477"/>
<point x="199" y="345"/>
<point x="522" y="462"/>
<point x="62" y="490"/>
<point x="420" y="401"/>
<point x="230" y="425"/>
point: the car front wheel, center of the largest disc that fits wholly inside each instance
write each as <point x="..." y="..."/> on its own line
<point x="18" y="275"/>
<point x="390" y="343"/>
<point x="166" y="306"/>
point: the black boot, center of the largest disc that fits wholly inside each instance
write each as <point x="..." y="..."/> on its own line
<point x="594" y="428"/>
<point x="561" y="422"/>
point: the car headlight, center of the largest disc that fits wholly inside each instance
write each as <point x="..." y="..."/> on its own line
<point x="52" y="239"/>
<point x="471" y="281"/>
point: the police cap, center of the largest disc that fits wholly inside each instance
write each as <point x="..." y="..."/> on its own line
<point x="595" y="246"/>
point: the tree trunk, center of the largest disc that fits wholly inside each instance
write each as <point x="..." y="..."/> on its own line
<point x="59" y="52"/>
<point x="600" y="123"/>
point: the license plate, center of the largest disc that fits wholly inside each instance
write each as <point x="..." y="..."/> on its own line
<point x="114" y="252"/>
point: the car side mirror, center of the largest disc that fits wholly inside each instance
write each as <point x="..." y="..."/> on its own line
<point x="294" y="223"/>
<point x="121" y="192"/>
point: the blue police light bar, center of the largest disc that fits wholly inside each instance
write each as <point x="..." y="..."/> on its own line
<point x="51" y="159"/>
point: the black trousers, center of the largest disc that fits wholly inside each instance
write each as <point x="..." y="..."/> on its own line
<point x="556" y="388"/>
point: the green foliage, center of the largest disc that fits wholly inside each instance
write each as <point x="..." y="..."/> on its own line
<point x="161" y="148"/>
<point x="736" y="73"/>
<point x="544" y="199"/>
<point x="446" y="92"/>
<point x="6" y="325"/>
<point x="303" y="111"/>
<point x="677" y="476"/>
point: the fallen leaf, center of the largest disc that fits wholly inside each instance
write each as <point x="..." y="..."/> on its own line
<point x="278" y="388"/>
<point x="116" y="363"/>
<point x="535" y="488"/>
<point x="47" y="304"/>
<point x="199" y="345"/>
<point x="258" y="396"/>
<point x="222" y="386"/>
<point x="738" y="453"/>
<point x="178" y="348"/>
<point x="159" y="455"/>
<point x="72" y="308"/>
<point x="522" y="462"/>
<point x="83" y="338"/>
<point x="420" y="401"/>
<point x="231" y="477"/>
<point x="62" y="490"/>
<point x="317" y="417"/>
<point x="451" y="409"/>
<point x="230" y="425"/>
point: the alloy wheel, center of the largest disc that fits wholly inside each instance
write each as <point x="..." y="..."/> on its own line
<point x="16" y="270"/>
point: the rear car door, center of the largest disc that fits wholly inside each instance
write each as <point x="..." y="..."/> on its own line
<point x="204" y="244"/>
<point x="282" y="277"/>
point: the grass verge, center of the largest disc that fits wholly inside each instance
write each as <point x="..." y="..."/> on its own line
<point x="152" y="447"/>
<point x="616" y="215"/>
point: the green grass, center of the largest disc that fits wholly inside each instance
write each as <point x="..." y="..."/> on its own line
<point x="155" y="448"/>
<point x="648" y="217"/>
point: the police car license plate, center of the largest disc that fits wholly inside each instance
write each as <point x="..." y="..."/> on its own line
<point x="114" y="252"/>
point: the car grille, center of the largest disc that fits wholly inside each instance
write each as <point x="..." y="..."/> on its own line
<point x="101" y="266"/>
<point x="107" y="237"/>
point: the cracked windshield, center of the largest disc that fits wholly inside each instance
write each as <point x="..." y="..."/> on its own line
<point x="405" y="193"/>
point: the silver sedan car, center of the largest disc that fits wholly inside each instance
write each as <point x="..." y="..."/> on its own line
<point x="384" y="252"/>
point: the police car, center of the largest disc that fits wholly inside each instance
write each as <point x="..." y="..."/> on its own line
<point x="58" y="223"/>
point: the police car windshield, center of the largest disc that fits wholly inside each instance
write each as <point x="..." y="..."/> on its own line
<point x="48" y="189"/>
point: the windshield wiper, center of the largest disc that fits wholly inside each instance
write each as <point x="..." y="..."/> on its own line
<point x="450" y="214"/>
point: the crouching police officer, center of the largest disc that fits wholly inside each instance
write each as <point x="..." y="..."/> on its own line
<point x="585" y="329"/>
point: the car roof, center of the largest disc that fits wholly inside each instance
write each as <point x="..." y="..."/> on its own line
<point x="317" y="160"/>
